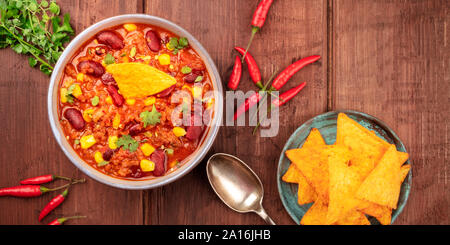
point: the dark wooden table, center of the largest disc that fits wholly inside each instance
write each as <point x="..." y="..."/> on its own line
<point x="386" y="58"/>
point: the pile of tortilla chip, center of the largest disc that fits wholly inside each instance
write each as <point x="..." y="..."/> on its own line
<point x="361" y="174"/>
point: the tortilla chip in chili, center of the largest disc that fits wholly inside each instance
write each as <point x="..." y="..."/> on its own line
<point x="137" y="80"/>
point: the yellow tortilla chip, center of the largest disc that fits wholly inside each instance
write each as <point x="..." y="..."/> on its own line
<point x="404" y="170"/>
<point x="306" y="194"/>
<point x="367" y="149"/>
<point x="382" y="213"/>
<point x="291" y="175"/>
<point x="316" y="214"/>
<point x="137" y="80"/>
<point x="312" y="163"/>
<point x="382" y="186"/>
<point x="353" y="217"/>
<point x="343" y="184"/>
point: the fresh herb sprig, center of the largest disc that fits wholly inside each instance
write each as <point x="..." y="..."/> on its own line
<point x="35" y="28"/>
<point x="150" y="117"/>
<point x="176" y="44"/>
<point x="127" y="143"/>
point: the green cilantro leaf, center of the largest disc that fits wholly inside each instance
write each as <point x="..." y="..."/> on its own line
<point x="150" y="117"/>
<point x="109" y="59"/>
<point x="198" y="79"/>
<point x="169" y="151"/>
<point x="95" y="100"/>
<point x="186" y="70"/>
<point x="176" y="44"/>
<point x="128" y="143"/>
<point x="183" y="42"/>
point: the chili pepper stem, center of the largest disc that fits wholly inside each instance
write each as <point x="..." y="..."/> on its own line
<point x="64" y="219"/>
<point x="63" y="178"/>
<point x="265" y="96"/>
<point x="45" y="189"/>
<point x="255" y="29"/>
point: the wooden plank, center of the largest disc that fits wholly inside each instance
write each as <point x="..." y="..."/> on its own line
<point x="293" y="29"/>
<point x="28" y="146"/>
<point x="391" y="61"/>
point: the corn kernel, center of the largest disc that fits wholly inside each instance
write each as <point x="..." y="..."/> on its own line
<point x="130" y="27"/>
<point x="87" y="141"/>
<point x="178" y="131"/>
<point x="80" y="77"/>
<point x="77" y="91"/>
<point x="109" y="100"/>
<point x="171" y="67"/>
<point x="130" y="101"/>
<point x="63" y="94"/>
<point x="112" y="142"/>
<point x="147" y="149"/>
<point x="95" y="41"/>
<point x="98" y="157"/>
<point x="164" y="59"/>
<point x="150" y="101"/>
<point x="87" y="114"/>
<point x="147" y="165"/>
<point x="197" y="92"/>
<point x="116" y="121"/>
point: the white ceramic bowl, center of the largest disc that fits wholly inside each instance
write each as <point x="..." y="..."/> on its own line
<point x="190" y="162"/>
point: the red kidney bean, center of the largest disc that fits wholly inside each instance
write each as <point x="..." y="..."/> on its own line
<point x="110" y="38"/>
<point x="107" y="155"/>
<point x="108" y="79"/>
<point x="153" y="41"/>
<point x="135" y="129"/>
<point x="75" y="118"/>
<point x="91" y="67"/>
<point x="195" y="129"/>
<point x="136" y="172"/>
<point x="160" y="159"/>
<point x="165" y="92"/>
<point x="117" y="98"/>
<point x="190" y="78"/>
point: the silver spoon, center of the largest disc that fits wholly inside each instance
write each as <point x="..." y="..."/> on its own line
<point x="236" y="184"/>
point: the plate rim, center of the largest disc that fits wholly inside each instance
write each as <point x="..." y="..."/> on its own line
<point x="380" y="123"/>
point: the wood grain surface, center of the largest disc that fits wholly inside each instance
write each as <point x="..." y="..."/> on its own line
<point x="385" y="58"/>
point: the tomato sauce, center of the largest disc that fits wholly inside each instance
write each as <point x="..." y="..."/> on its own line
<point x="97" y="120"/>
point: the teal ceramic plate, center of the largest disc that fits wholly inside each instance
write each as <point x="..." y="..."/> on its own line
<point x="326" y="123"/>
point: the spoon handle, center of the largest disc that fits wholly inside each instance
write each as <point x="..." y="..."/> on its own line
<point x="262" y="213"/>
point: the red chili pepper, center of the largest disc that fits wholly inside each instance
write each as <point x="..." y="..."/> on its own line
<point x="31" y="190"/>
<point x="235" y="77"/>
<point x="259" y="17"/>
<point x="42" y="179"/>
<point x="60" y="221"/>
<point x="285" y="75"/>
<point x="253" y="68"/>
<point x="55" y="202"/>
<point x="288" y="95"/>
<point x="248" y="103"/>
